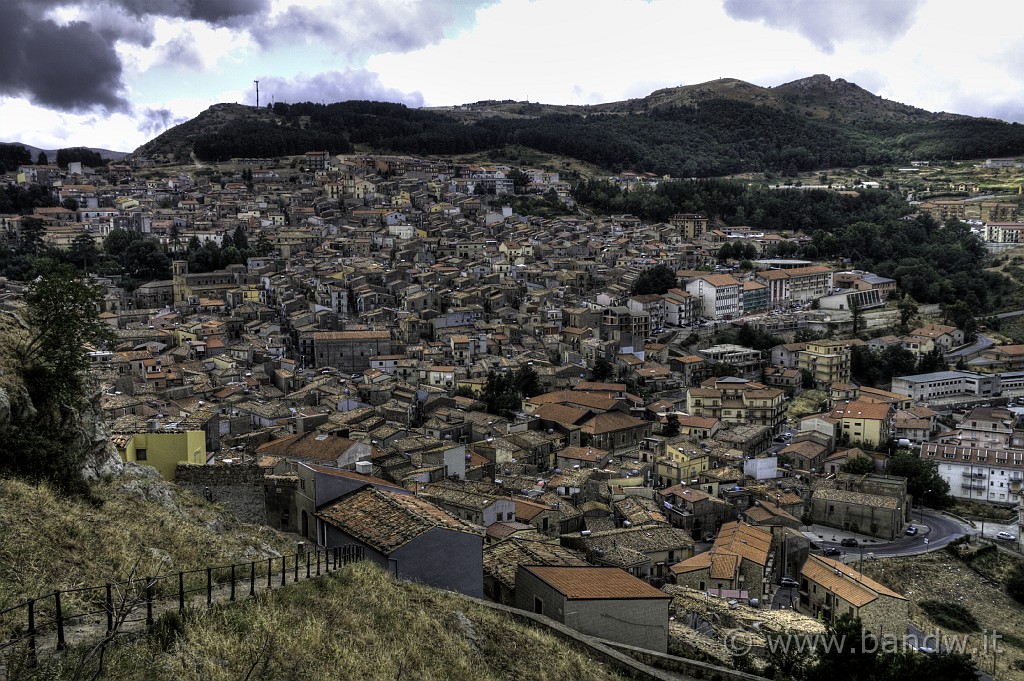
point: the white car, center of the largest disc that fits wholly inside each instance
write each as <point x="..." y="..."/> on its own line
<point x="1006" y="536"/>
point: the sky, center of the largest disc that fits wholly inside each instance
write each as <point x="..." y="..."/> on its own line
<point x="114" y="74"/>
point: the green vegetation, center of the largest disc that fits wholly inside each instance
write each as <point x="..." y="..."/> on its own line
<point x="658" y="280"/>
<point x="504" y="392"/>
<point x="860" y="656"/>
<point x="923" y="480"/>
<point x="951" y="615"/>
<point x="359" y="623"/>
<point x="44" y="370"/>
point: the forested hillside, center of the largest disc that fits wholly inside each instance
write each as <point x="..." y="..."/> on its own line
<point x="710" y="130"/>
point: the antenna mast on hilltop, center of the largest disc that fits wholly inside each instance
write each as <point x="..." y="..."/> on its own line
<point x="257" y="93"/>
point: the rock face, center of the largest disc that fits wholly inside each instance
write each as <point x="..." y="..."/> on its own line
<point x="81" y="425"/>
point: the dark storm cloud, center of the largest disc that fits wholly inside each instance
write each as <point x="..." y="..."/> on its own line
<point x="827" y="23"/>
<point x="155" y="121"/>
<point x="336" y="86"/>
<point x="70" y="67"/>
<point x="216" y="12"/>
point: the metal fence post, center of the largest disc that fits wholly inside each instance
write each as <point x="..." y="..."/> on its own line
<point x="209" y="586"/>
<point x="296" y="568"/>
<point x="181" y="591"/>
<point x="252" y="578"/>
<point x="307" y="564"/>
<point x="270" y="571"/>
<point x="232" y="581"/>
<point x="59" y="614"/>
<point x="284" y="569"/>
<point x="149" y="601"/>
<point x="32" y="631"/>
<point x="108" y="605"/>
<point x="318" y="562"/>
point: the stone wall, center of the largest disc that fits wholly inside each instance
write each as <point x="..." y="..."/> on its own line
<point x="237" y="486"/>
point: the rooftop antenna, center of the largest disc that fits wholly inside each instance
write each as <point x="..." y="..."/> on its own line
<point x="257" y="93"/>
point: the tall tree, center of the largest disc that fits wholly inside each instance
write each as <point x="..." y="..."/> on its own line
<point x="657" y="279"/>
<point x="41" y="159"/>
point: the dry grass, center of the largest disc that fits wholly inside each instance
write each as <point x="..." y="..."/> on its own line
<point x="807" y="402"/>
<point x="143" y="524"/>
<point x="978" y="587"/>
<point x="357" y="624"/>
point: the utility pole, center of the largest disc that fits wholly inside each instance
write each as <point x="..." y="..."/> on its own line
<point x="257" y="93"/>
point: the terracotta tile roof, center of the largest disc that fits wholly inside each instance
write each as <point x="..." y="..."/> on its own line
<point x="723" y="565"/>
<point x="610" y="422"/>
<point x="310" y="445"/>
<point x="844" y="581"/>
<point x="386" y="520"/>
<point x="594" y="583"/>
<point x="560" y="413"/>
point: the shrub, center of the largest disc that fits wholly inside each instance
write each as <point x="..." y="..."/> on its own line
<point x="951" y="615"/>
<point x="1015" y="583"/>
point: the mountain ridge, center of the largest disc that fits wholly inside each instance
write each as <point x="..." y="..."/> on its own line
<point x="716" y="128"/>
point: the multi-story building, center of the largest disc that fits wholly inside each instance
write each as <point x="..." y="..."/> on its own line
<point x="1004" y="232"/>
<point x="828" y="361"/>
<point x="867" y="423"/>
<point x="980" y="474"/>
<point x="718" y="295"/>
<point x="797" y="285"/>
<point x="680" y="307"/>
<point x="691" y="226"/>
<point x="939" y="385"/>
<point x="738" y="401"/>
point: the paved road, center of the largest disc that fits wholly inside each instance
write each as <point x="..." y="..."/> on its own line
<point x="977" y="347"/>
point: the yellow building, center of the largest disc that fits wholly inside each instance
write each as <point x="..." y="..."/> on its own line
<point x="681" y="464"/>
<point x="163" y="449"/>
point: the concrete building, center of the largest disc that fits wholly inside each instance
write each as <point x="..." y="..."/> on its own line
<point x="939" y="385"/>
<point x="604" y="602"/>
<point x="348" y="351"/>
<point x="718" y="295"/>
<point x="828" y="361"/>
<point x="979" y="474"/>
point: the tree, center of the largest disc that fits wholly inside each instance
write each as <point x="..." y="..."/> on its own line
<point x="83" y="251"/>
<point x="118" y="240"/>
<point x="671" y="428"/>
<point x="923" y="480"/>
<point x="240" y="239"/>
<point x="41" y="159"/>
<point x="658" y="280"/>
<point x="42" y="443"/>
<point x="726" y="251"/>
<point x="30" y="235"/>
<point x="145" y="260"/>
<point x="961" y="315"/>
<point x="908" y="310"/>
<point x="858" y="465"/>
<point x="603" y="369"/>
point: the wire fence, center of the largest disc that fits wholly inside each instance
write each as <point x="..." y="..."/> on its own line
<point x="40" y="626"/>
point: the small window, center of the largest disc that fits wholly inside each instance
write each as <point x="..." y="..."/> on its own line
<point x="140" y="454"/>
<point x="538" y="606"/>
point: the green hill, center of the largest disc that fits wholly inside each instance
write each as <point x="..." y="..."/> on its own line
<point x="718" y="128"/>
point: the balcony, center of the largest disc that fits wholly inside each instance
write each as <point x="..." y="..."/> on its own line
<point x="973" y="475"/>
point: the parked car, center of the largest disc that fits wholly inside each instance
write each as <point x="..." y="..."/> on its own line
<point x="830" y="551"/>
<point x="849" y="541"/>
<point x="911" y="531"/>
<point x="789" y="582"/>
<point x="1006" y="536"/>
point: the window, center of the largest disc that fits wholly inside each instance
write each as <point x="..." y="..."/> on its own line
<point x="140" y="454"/>
<point x="538" y="606"/>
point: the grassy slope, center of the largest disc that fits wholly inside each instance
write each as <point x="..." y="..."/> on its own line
<point x="53" y="542"/>
<point x="977" y="586"/>
<point x="357" y="624"/>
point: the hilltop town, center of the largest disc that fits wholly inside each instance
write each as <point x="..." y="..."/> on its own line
<point x="494" y="391"/>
